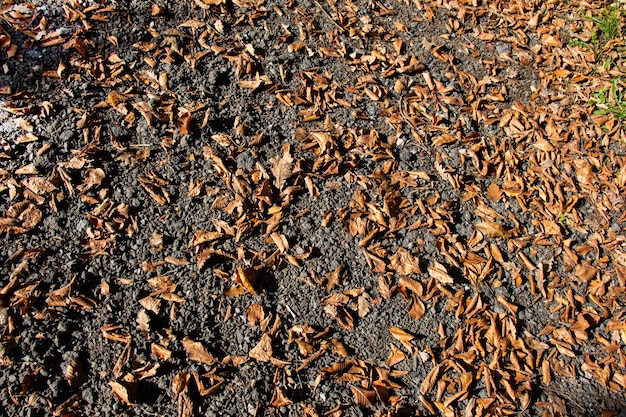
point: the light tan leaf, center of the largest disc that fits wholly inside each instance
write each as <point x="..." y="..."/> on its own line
<point x="176" y="261"/>
<point x="38" y="185"/>
<point x="417" y="309"/>
<point x="439" y="272"/>
<point x="156" y="241"/>
<point x="364" y="305"/>
<point x="161" y="352"/>
<point x="395" y="356"/>
<point x="403" y="337"/>
<point x="197" y="352"/>
<point x="492" y="229"/>
<point x="143" y="321"/>
<point x="29" y="169"/>
<point x="507" y="304"/>
<point x="430" y="380"/>
<point x="282" y="167"/>
<point x="263" y="350"/>
<point x="121" y="392"/>
<point x="384" y="288"/>
<point x="404" y="263"/>
<point x="203" y="236"/>
<point x="250" y="84"/>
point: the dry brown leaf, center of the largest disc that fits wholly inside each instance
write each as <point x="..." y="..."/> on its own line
<point x="417" y="308"/>
<point x="404" y="263"/>
<point x="160" y="352"/>
<point x="279" y="398"/>
<point x="39" y="185"/>
<point x="384" y="288"/>
<point x="176" y="261"/>
<point x="492" y="229"/>
<point x="507" y="304"/>
<point x="364" y="397"/>
<point x="263" y="350"/>
<point x="203" y="236"/>
<point x="197" y="352"/>
<point x="246" y="278"/>
<point x="75" y="373"/>
<point x="403" y="337"/>
<point x="282" y="168"/>
<point x="122" y="392"/>
<point x="364" y="304"/>
<point x="143" y="321"/>
<point x="255" y="314"/>
<point x="430" y="380"/>
<point x="395" y="356"/>
<point x="151" y="304"/>
<point x="439" y="272"/>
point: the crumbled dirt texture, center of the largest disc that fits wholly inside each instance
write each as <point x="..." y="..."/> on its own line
<point x="309" y="208"/>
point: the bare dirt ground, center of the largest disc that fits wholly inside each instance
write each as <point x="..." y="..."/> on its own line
<point x="312" y="208"/>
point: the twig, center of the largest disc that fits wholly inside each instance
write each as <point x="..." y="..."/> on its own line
<point x="329" y="16"/>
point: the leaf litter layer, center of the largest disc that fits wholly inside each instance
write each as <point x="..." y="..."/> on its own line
<point x="317" y="208"/>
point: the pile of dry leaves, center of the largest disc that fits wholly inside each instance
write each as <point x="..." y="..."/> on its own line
<point x="488" y="135"/>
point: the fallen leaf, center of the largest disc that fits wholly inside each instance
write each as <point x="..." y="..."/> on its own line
<point x="279" y="398"/>
<point x="491" y="229"/>
<point x="403" y="337"/>
<point x="263" y="350"/>
<point x="438" y="271"/>
<point x="429" y="382"/>
<point x="364" y="397"/>
<point x="282" y="167"/>
<point x="197" y="352"/>
<point x="75" y="373"/>
<point x="121" y="392"/>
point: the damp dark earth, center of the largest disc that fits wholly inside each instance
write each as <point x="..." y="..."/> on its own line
<point x="312" y="208"/>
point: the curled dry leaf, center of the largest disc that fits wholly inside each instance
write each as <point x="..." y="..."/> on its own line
<point x="203" y="236"/>
<point x="395" y="356"/>
<point x="246" y="278"/>
<point x="75" y="373"/>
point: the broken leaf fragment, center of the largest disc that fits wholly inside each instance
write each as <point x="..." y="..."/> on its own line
<point x="263" y="350"/>
<point x="279" y="398"/>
